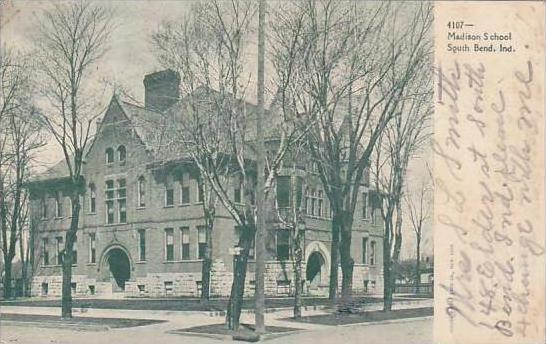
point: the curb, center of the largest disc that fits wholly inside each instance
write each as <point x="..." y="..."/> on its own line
<point x="391" y="321"/>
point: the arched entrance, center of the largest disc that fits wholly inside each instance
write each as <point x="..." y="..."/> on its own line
<point x="314" y="269"/>
<point x="116" y="267"/>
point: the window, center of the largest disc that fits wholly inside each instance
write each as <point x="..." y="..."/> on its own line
<point x="69" y="206"/>
<point x="75" y="251"/>
<point x="109" y="155"/>
<point x="142" y="245"/>
<point x="92" y="199"/>
<point x="202" y="241"/>
<point x="122" y="154"/>
<point x="185" y="243"/>
<point x="59" y="250"/>
<point x="313" y="202"/>
<point x="122" y="201"/>
<point x="283" y="244"/>
<point x="169" y="196"/>
<point x="43" y="207"/>
<point x="365" y="212"/>
<point x="58" y="204"/>
<point x="364" y="250"/>
<point x="45" y="289"/>
<point x="237" y="195"/>
<point x="168" y="288"/>
<point x="372" y="253"/>
<point x="45" y="251"/>
<point x="199" y="192"/>
<point x="141" y="192"/>
<point x="169" y="244"/>
<point x="184" y="190"/>
<point x="283" y="191"/>
<point x="320" y="202"/>
<point x="109" y="201"/>
<point x="92" y="248"/>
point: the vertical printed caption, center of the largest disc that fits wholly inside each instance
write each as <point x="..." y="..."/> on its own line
<point x="489" y="172"/>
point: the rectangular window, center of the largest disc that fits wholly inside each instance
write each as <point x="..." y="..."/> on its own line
<point x="237" y="194"/>
<point x="365" y="214"/>
<point x="109" y="201"/>
<point x="92" y="199"/>
<point x="199" y="192"/>
<point x="169" y="196"/>
<point x="44" y="207"/>
<point x="122" y="201"/>
<point x="141" y="192"/>
<point x="142" y="245"/>
<point x="184" y="189"/>
<point x="169" y="244"/>
<point x="45" y="251"/>
<point x="320" y="202"/>
<point x="313" y="202"/>
<point x="92" y="248"/>
<point x="69" y="206"/>
<point x="372" y="253"/>
<point x="185" y="243"/>
<point x="283" y="191"/>
<point x="202" y="241"/>
<point x="364" y="250"/>
<point x="58" y="204"/>
<point x="59" y="250"/>
<point x="168" y="288"/>
<point x="283" y="244"/>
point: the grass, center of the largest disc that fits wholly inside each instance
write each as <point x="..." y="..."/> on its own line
<point x="336" y="319"/>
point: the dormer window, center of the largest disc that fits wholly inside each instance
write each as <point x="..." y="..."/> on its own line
<point x="109" y="156"/>
<point x="122" y="154"/>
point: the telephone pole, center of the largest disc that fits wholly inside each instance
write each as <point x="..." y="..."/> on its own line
<point x="260" y="159"/>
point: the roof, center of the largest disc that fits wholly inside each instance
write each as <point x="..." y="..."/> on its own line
<point x="165" y="143"/>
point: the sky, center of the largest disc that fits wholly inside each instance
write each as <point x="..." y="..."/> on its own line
<point x="130" y="58"/>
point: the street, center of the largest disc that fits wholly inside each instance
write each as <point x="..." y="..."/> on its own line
<point x="418" y="331"/>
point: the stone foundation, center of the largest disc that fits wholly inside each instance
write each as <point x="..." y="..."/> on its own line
<point x="279" y="281"/>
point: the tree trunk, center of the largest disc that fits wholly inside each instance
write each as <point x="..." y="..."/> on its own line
<point x="418" y="265"/>
<point x="347" y="262"/>
<point x="298" y="258"/>
<point x="66" y="298"/>
<point x="7" y="279"/>
<point x="24" y="265"/>
<point x="207" y="261"/>
<point x="334" y="250"/>
<point x="387" y="266"/>
<point x="239" y="275"/>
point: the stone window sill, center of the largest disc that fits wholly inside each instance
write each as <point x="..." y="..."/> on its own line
<point x="141" y="262"/>
<point x="140" y="208"/>
<point x="169" y="206"/>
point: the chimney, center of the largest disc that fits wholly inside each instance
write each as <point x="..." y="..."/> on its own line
<point x="161" y="89"/>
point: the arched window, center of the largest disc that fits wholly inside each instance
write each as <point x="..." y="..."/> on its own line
<point x="141" y="192"/>
<point x="122" y="153"/>
<point x="109" y="155"/>
<point x="92" y="198"/>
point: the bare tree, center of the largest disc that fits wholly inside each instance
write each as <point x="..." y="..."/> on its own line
<point x="20" y="137"/>
<point x="351" y="62"/>
<point x="403" y="138"/>
<point x="214" y="123"/>
<point x="72" y="38"/>
<point x="419" y="206"/>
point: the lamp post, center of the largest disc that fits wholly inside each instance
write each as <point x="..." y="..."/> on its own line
<point x="260" y="157"/>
